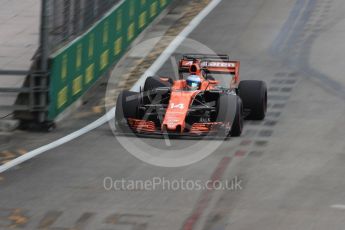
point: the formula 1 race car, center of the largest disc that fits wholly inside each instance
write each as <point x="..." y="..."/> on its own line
<point x="194" y="105"/>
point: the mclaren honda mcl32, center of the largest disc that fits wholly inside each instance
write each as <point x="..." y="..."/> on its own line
<point x="196" y="104"/>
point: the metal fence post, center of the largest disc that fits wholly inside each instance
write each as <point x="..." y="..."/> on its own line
<point x="44" y="43"/>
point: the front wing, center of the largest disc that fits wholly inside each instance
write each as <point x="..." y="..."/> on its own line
<point x="143" y="127"/>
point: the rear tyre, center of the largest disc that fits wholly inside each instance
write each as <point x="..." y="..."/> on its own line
<point x="155" y="82"/>
<point x="254" y="97"/>
<point x="126" y="107"/>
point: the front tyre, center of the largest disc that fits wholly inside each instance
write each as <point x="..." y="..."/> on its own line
<point x="226" y="112"/>
<point x="237" y="125"/>
<point x="152" y="83"/>
<point x="126" y="107"/>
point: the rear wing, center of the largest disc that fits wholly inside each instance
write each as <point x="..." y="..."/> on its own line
<point x="214" y="57"/>
<point x="213" y="64"/>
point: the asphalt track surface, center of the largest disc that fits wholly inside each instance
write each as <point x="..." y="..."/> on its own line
<point x="291" y="165"/>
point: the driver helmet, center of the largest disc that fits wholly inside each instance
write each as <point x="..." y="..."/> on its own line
<point x="193" y="82"/>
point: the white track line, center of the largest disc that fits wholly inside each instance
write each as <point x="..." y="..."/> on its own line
<point x="338" y="206"/>
<point x="110" y="115"/>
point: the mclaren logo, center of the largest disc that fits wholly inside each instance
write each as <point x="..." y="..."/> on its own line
<point x="221" y="64"/>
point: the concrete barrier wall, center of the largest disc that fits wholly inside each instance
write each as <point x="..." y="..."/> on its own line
<point x="76" y="67"/>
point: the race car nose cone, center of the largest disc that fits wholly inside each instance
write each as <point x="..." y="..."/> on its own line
<point x="174" y="128"/>
<point x="171" y="127"/>
<point x="172" y="124"/>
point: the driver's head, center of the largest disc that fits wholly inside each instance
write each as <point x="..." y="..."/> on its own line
<point x="193" y="82"/>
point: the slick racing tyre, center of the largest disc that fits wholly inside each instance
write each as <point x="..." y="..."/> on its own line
<point x="155" y="82"/>
<point x="226" y="113"/>
<point x="254" y="97"/>
<point x="237" y="125"/>
<point x="126" y="107"/>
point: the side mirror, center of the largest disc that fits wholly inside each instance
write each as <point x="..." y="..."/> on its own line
<point x="213" y="82"/>
<point x="163" y="90"/>
<point x="164" y="79"/>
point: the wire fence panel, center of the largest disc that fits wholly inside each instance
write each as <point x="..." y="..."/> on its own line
<point x="70" y="18"/>
<point x="78" y="65"/>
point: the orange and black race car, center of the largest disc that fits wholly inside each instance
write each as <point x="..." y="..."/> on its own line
<point x="196" y="104"/>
